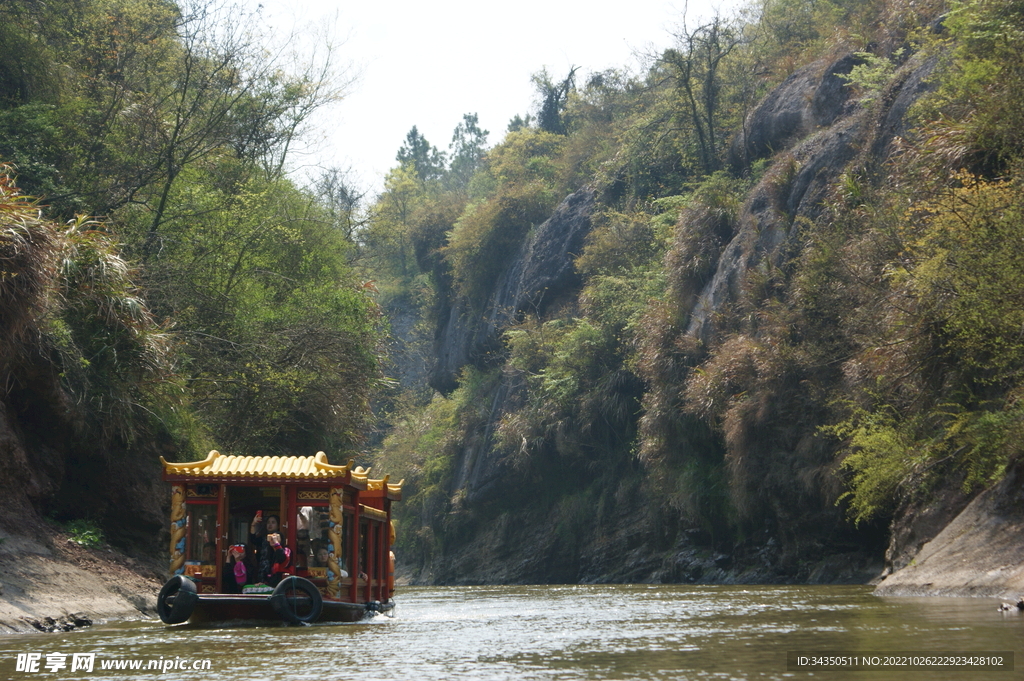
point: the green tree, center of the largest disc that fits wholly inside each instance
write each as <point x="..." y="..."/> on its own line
<point x="343" y="200"/>
<point x="226" y="93"/>
<point x="466" y="152"/>
<point x="424" y="158"/>
<point x="696" y="63"/>
<point x="554" y="100"/>
<point x="280" y="335"/>
<point x="386" y="236"/>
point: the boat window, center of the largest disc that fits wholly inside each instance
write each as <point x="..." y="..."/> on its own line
<point x="202" y="534"/>
<point x="310" y="534"/>
<point x="314" y="541"/>
<point x="243" y="502"/>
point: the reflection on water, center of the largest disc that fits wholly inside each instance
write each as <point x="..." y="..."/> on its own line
<point x="564" y="632"/>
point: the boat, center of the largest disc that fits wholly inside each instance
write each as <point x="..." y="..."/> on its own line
<point x="333" y="524"/>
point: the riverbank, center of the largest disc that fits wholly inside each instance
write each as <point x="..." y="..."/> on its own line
<point x="980" y="553"/>
<point x="48" y="581"/>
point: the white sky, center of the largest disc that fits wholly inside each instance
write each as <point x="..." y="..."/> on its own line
<point x="427" y="63"/>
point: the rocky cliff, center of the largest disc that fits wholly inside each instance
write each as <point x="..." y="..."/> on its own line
<point x="540" y="277"/>
<point x="978" y="553"/>
<point x="813" y="130"/>
<point x="535" y="278"/>
<point x="50" y="473"/>
<point x="772" y="341"/>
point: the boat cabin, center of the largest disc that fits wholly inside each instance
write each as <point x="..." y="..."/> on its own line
<point x="335" y="520"/>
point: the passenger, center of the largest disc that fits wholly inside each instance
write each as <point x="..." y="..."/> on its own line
<point x="258" y="533"/>
<point x="258" y="529"/>
<point x="323" y="558"/>
<point x="280" y="558"/>
<point x="235" y="572"/>
<point x="303" y="522"/>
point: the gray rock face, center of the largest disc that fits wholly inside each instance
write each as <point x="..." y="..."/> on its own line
<point x="798" y="182"/>
<point x="978" y="554"/>
<point x="822" y="132"/>
<point x="812" y="97"/>
<point x="912" y="84"/>
<point x="767" y="220"/>
<point x="541" y="272"/>
<point x="544" y="268"/>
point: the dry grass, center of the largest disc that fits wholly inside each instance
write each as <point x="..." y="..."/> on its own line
<point x="27" y="246"/>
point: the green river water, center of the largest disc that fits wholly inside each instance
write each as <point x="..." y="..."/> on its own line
<point x="559" y="632"/>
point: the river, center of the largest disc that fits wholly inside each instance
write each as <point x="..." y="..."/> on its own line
<point x="557" y="632"/>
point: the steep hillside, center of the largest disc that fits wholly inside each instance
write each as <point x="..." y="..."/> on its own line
<point x="213" y="302"/>
<point x="752" y="361"/>
<point x="752" y="313"/>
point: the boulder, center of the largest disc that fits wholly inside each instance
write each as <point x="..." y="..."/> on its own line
<point x="812" y="97"/>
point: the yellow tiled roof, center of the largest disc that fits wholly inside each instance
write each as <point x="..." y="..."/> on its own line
<point x="382" y="483"/>
<point x="217" y="465"/>
<point x="296" y="467"/>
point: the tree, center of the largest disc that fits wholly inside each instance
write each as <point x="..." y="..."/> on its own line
<point x="342" y="199"/>
<point x="228" y="93"/>
<point x="280" y="336"/>
<point x="519" y="122"/>
<point x="554" y="98"/>
<point x="696" y="63"/>
<point x="427" y="162"/>
<point x="469" y="142"/>
<point x="386" y="236"/>
<point x="111" y="99"/>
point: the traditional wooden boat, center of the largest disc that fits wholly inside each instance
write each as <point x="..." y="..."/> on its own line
<point x="334" y="521"/>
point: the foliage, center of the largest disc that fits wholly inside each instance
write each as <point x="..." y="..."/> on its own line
<point x="953" y="237"/>
<point x="872" y="74"/>
<point x="71" y="292"/>
<point x="526" y="156"/>
<point x="466" y="152"/>
<point x="891" y="459"/>
<point x="424" y="158"/>
<point x="175" y="120"/>
<point x="386" y="238"/>
<point x="695" y="69"/>
<point x="554" y="99"/>
<point x="480" y="242"/>
<point x="112" y="350"/>
<point x="883" y="457"/>
<point x="27" y="244"/>
<point x="281" y="335"/>
<point x="975" y="115"/>
<point x="422" y="449"/>
<point x="954" y="321"/>
<point x="85" y="533"/>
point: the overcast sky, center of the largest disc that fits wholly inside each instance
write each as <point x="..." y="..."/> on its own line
<point x="428" y="63"/>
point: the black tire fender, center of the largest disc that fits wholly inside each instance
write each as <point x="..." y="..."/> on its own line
<point x="284" y="606"/>
<point x="177" y="600"/>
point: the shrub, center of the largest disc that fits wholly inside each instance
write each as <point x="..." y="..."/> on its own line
<point x="85" y="533"/>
